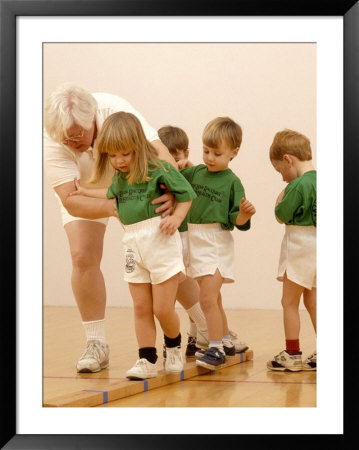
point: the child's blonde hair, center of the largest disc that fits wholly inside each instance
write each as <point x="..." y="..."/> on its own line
<point x="123" y="132"/>
<point x="174" y="138"/>
<point x="222" y="129"/>
<point x="291" y="143"/>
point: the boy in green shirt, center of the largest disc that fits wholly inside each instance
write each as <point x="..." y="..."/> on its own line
<point x="296" y="207"/>
<point x="220" y="206"/>
<point x="177" y="142"/>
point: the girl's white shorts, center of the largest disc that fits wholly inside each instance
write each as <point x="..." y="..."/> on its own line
<point x="151" y="256"/>
<point x="210" y="248"/>
<point x="298" y="255"/>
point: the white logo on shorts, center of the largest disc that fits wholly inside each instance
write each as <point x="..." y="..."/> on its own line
<point x="130" y="261"/>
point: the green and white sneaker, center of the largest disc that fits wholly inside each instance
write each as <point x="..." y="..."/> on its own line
<point x="310" y="364"/>
<point x="286" y="362"/>
<point x="94" y="358"/>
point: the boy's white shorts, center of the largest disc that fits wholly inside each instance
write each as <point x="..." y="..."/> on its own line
<point x="298" y="255"/>
<point x="151" y="256"/>
<point x="210" y="248"/>
<point x="184" y="239"/>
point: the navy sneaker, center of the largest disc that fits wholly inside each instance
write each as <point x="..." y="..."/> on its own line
<point x="191" y="348"/>
<point x="229" y="351"/>
<point x="212" y="358"/>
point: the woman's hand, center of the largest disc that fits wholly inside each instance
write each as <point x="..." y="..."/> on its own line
<point x="167" y="200"/>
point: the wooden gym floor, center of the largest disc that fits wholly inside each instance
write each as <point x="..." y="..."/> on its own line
<point x="245" y="383"/>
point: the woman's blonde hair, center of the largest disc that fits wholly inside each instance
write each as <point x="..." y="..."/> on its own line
<point x="291" y="143"/>
<point x="68" y="104"/>
<point x="123" y="132"/>
<point x="222" y="129"/>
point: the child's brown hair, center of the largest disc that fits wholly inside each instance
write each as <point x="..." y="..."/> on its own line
<point x="222" y="129"/>
<point x="174" y="138"/>
<point x="291" y="143"/>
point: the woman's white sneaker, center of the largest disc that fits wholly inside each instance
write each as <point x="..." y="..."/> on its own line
<point x="94" y="358"/>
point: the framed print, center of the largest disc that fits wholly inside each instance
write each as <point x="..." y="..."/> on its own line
<point x="29" y="30"/>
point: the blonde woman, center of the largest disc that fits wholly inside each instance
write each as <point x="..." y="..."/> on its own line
<point x="73" y="117"/>
<point x="153" y="248"/>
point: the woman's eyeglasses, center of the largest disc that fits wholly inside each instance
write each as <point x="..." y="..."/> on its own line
<point x="73" y="139"/>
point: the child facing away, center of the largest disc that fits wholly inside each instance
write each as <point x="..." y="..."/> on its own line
<point x="153" y="248"/>
<point x="177" y="142"/>
<point x="296" y="207"/>
<point x="220" y="206"/>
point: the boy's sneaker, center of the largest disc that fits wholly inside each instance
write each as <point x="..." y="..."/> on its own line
<point x="94" y="358"/>
<point x="191" y="347"/>
<point x="229" y="351"/>
<point x="286" y="362"/>
<point x="174" y="360"/>
<point x="141" y="370"/>
<point x="212" y="358"/>
<point x="240" y="346"/>
<point x="310" y="363"/>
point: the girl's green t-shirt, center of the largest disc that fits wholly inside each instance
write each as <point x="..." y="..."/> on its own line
<point x="299" y="203"/>
<point x="134" y="200"/>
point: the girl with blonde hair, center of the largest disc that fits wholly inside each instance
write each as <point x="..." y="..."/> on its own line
<point x="152" y="245"/>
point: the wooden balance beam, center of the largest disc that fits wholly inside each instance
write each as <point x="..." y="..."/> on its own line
<point x="125" y="387"/>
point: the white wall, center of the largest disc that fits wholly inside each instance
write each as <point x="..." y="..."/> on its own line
<point x="264" y="87"/>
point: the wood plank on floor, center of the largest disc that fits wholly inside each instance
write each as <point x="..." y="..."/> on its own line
<point x="126" y="388"/>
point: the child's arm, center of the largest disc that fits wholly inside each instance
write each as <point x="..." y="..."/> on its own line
<point x="170" y="224"/>
<point x="96" y="193"/>
<point x="247" y="210"/>
<point x="183" y="163"/>
<point x="279" y="199"/>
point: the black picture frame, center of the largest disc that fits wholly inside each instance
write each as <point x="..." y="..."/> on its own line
<point x="9" y="11"/>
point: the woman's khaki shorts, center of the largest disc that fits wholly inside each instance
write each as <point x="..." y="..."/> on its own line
<point x="210" y="248"/>
<point x="67" y="218"/>
<point x="298" y="256"/>
<point x="151" y="256"/>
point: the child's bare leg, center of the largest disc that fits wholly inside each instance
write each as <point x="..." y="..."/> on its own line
<point x="143" y="309"/>
<point x="223" y="314"/>
<point x="188" y="296"/>
<point x="290" y="302"/>
<point x="210" y="286"/>
<point x="310" y="302"/>
<point x="164" y="296"/>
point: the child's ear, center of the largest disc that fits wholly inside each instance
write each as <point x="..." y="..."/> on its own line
<point x="235" y="152"/>
<point x="288" y="159"/>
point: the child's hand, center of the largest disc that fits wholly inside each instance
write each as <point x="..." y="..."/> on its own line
<point x="170" y="224"/>
<point x="79" y="189"/>
<point x="280" y="197"/>
<point x="247" y="210"/>
<point x="183" y="163"/>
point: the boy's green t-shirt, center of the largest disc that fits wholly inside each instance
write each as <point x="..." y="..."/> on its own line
<point x="134" y="200"/>
<point x="218" y="197"/>
<point x="299" y="203"/>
